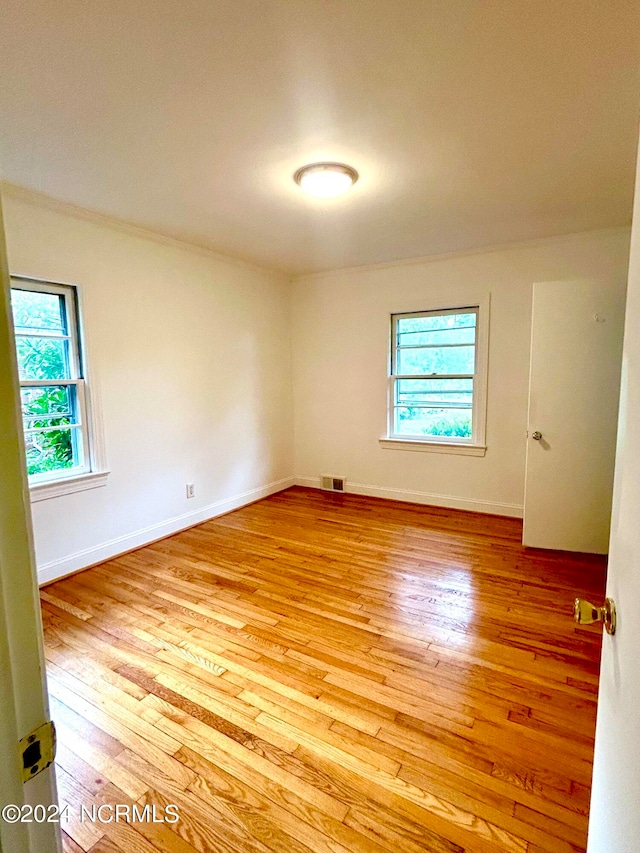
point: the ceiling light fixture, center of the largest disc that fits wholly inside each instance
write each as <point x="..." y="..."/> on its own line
<point x="326" y="180"/>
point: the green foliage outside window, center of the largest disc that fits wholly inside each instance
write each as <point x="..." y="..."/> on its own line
<point x="431" y="348"/>
<point x="51" y="450"/>
<point x="43" y="354"/>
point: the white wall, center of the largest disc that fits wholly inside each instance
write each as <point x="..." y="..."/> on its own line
<point x="340" y="347"/>
<point x="192" y="354"/>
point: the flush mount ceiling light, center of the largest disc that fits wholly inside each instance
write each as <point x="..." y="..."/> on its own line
<point x="326" y="180"/>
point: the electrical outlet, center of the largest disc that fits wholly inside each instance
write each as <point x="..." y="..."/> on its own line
<point x="191" y="490"/>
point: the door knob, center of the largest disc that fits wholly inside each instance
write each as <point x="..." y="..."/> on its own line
<point x="586" y="614"/>
<point x="536" y="436"/>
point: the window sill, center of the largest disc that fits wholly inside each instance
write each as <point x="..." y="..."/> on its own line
<point x="433" y="446"/>
<point x="67" y="485"/>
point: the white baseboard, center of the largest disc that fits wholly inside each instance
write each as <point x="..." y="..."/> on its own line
<point x="107" y="550"/>
<point x="56" y="569"/>
<point x="428" y="498"/>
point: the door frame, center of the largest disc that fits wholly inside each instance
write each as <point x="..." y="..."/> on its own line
<point x="24" y="702"/>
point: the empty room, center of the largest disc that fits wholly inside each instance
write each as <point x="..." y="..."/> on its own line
<point x="319" y="426"/>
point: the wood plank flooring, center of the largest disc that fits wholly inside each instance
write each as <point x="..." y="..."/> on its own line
<point x="328" y="673"/>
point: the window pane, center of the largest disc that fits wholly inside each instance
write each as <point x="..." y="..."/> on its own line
<point x="431" y="322"/>
<point x="430" y="337"/>
<point x="43" y="358"/>
<point x="436" y="322"/>
<point x="424" y="421"/>
<point x="55" y="450"/>
<point x="47" y="403"/>
<point x="35" y="311"/>
<point x="48" y="351"/>
<point x="438" y="360"/>
<point x="451" y="393"/>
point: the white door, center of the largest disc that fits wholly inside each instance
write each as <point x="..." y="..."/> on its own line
<point x="23" y="699"/>
<point x="574" y="386"/>
<point x="615" y="797"/>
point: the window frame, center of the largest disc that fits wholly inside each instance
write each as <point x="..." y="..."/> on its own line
<point x="475" y="444"/>
<point x="92" y="472"/>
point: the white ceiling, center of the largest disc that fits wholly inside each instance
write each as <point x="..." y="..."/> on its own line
<point x="471" y="122"/>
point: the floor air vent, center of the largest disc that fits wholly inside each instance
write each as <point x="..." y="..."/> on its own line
<point x="332" y="484"/>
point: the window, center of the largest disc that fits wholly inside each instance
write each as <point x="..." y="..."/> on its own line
<point x="437" y="381"/>
<point x="52" y="384"/>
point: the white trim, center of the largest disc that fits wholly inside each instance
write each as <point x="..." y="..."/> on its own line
<point x="91" y="393"/>
<point x="24" y="703"/>
<point x="460" y="253"/>
<point x="56" y="569"/>
<point x="30" y="196"/>
<point x="67" y="485"/>
<point x="47" y="202"/>
<point x="481" y="380"/>
<point x="85" y="381"/>
<point x="433" y="446"/>
<point x="428" y="498"/>
<point x="482" y="307"/>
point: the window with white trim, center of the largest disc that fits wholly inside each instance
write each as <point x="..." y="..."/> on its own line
<point x="437" y="380"/>
<point x="52" y="382"/>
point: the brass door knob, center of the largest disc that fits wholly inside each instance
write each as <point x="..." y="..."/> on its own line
<point x="586" y="613"/>
<point x="536" y="436"/>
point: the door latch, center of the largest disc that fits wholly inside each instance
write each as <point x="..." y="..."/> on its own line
<point x="38" y="750"/>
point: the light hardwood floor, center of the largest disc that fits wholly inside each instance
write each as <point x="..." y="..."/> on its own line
<point x="328" y="673"/>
